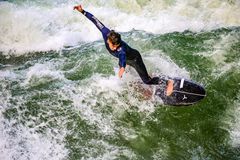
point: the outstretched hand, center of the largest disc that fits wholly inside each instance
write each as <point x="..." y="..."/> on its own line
<point x="79" y="8"/>
<point x="121" y="71"/>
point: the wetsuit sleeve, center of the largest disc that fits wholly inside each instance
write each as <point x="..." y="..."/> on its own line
<point x="122" y="58"/>
<point x="104" y="30"/>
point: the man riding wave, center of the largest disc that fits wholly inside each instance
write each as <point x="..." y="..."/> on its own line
<point x="120" y="50"/>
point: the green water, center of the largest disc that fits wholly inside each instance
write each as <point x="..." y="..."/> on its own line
<point x="74" y="98"/>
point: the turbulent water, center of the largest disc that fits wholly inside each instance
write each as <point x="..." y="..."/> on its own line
<point x="60" y="97"/>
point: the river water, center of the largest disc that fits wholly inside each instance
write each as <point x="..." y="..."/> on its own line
<point x="60" y="97"/>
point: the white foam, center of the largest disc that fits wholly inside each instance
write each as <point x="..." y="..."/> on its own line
<point x="19" y="142"/>
<point x="221" y="49"/>
<point x="42" y="73"/>
<point x="35" y="29"/>
<point x="31" y="28"/>
<point x="89" y="98"/>
<point x="97" y="93"/>
<point x="234" y="123"/>
<point x="7" y="74"/>
<point x="85" y="99"/>
<point x="5" y="90"/>
<point x="163" y="65"/>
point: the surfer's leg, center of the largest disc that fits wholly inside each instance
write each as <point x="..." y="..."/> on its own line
<point x="142" y="71"/>
<point x="134" y="59"/>
<point x="154" y="80"/>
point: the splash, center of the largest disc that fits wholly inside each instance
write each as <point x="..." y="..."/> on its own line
<point x="38" y="27"/>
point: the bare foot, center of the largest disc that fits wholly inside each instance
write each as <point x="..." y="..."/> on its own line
<point x="169" y="88"/>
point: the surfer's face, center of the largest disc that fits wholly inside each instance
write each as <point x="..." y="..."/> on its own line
<point x="112" y="46"/>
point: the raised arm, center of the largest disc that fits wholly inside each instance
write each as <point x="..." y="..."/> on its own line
<point x="92" y="18"/>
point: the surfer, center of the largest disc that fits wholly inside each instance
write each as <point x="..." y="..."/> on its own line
<point x="120" y="49"/>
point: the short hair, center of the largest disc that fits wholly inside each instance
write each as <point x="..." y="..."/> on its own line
<point x="114" y="37"/>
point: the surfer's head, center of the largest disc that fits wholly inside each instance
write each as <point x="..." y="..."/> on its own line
<point x="114" y="40"/>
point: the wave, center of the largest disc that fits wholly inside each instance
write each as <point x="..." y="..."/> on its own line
<point x="50" y="25"/>
<point x="74" y="105"/>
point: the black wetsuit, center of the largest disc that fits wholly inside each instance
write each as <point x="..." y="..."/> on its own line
<point x="124" y="53"/>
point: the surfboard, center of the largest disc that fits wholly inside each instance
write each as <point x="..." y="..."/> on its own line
<point x="179" y="91"/>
